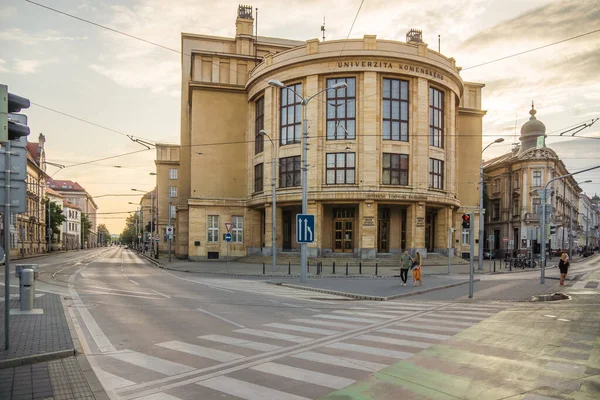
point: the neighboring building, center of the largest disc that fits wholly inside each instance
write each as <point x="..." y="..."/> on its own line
<point x="58" y="199"/>
<point x="512" y="184"/>
<point x="392" y="159"/>
<point x="167" y="184"/>
<point x="148" y="208"/>
<point x="74" y="193"/>
<point x="30" y="236"/>
<point x="588" y="222"/>
<point x="71" y="226"/>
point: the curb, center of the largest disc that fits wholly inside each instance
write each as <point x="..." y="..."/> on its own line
<point x="37" y="358"/>
<point x="521" y="270"/>
<point x="152" y="260"/>
<point x="366" y="297"/>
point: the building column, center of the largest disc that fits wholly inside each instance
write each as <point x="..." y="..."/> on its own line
<point x="366" y="227"/>
<point x="442" y="225"/>
<point x="415" y="228"/>
<point x="268" y="243"/>
<point x="315" y="249"/>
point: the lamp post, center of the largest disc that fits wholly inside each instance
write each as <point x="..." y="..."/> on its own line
<point x="304" y="103"/>
<point x="571" y="223"/>
<point x="151" y="218"/>
<point x="157" y="224"/>
<point x="481" y="238"/>
<point x="274" y="199"/>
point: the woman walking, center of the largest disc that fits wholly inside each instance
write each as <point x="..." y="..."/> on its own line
<point x="563" y="266"/>
<point x="417" y="270"/>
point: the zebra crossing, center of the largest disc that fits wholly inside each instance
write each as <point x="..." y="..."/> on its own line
<point x="314" y="355"/>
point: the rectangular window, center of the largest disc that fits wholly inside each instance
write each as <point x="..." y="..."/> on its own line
<point x="465" y="237"/>
<point x="173" y="191"/>
<point x="259" y="123"/>
<point x="496" y="185"/>
<point x="172" y="173"/>
<point x="436" y="117"/>
<point x="395" y="110"/>
<point x="173" y="212"/>
<point x="536" y="179"/>
<point x="237" y="229"/>
<point x="213" y="228"/>
<point x="289" y="172"/>
<point x="340" y="168"/>
<point x="258" y="178"/>
<point x="436" y="173"/>
<point x="395" y="169"/>
<point x="516" y="207"/>
<point x="290" y="115"/>
<point x="341" y="110"/>
<point x="516" y="181"/>
<point x="536" y="205"/>
<point x="496" y="210"/>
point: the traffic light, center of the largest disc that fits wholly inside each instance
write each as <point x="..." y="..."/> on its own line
<point x="552" y="229"/>
<point x="12" y="125"/>
<point x="466" y="221"/>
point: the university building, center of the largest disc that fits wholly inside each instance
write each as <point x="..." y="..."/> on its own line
<point x="393" y="158"/>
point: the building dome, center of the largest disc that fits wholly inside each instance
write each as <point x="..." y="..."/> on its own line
<point x="531" y="131"/>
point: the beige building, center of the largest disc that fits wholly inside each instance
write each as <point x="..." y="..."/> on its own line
<point x="58" y="199"/>
<point x="167" y="184"/>
<point x="147" y="210"/>
<point x="513" y="183"/>
<point x="391" y="164"/>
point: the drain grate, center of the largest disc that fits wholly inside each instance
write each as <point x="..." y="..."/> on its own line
<point x="551" y="297"/>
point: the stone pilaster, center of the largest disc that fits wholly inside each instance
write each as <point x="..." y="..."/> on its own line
<point x="366" y="227"/>
<point x="415" y="228"/>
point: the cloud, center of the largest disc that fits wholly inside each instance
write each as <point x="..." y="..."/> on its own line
<point x="28" y="38"/>
<point x="7" y="12"/>
<point x="2" y="68"/>
<point x="24" y="67"/>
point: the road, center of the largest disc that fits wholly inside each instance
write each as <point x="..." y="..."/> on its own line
<point x="160" y="335"/>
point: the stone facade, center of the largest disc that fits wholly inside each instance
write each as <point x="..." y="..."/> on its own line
<point x="167" y="184"/>
<point x="422" y="134"/>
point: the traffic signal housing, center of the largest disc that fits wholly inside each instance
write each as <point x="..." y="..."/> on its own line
<point x="466" y="221"/>
<point x="12" y="125"/>
<point x="552" y="229"/>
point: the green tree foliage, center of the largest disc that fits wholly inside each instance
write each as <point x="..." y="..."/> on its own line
<point x="86" y="225"/>
<point x="129" y="235"/>
<point x="103" y="234"/>
<point x="54" y="217"/>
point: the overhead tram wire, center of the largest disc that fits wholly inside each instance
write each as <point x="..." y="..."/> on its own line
<point x="100" y="159"/>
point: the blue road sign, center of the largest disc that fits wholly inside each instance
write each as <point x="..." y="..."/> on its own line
<point x="228" y="237"/>
<point x="305" y="228"/>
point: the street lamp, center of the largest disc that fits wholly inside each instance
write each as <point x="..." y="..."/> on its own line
<point x="571" y="223"/>
<point x="157" y="224"/>
<point x="151" y="218"/>
<point x="304" y="103"/>
<point x="481" y="238"/>
<point x="274" y="199"/>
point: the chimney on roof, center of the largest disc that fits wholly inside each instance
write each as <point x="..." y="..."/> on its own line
<point x="244" y="24"/>
<point x="41" y="140"/>
<point x="414" y="36"/>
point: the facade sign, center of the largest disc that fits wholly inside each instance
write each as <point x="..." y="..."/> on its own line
<point x="368" y="221"/>
<point x="391" y="66"/>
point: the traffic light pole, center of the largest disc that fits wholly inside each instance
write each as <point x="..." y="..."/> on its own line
<point x="472" y="253"/>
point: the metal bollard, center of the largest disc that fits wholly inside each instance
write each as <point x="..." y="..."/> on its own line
<point x="308" y="267"/>
<point x="263" y="268"/>
<point x="376" y="267"/>
<point x="346" y="268"/>
<point x="289" y="267"/>
<point x="494" y="265"/>
<point x="26" y="289"/>
<point x="360" y="267"/>
<point x="334" y="268"/>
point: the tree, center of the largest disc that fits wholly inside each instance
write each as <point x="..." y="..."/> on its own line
<point x="86" y="225"/>
<point x="103" y="234"/>
<point x="54" y="217"/>
<point x="129" y="234"/>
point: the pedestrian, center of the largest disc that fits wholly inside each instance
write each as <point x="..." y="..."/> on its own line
<point x="405" y="264"/>
<point x="416" y="270"/>
<point x="563" y="266"/>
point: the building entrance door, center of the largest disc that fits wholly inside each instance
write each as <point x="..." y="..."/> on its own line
<point x="430" y="231"/>
<point x="383" y="237"/>
<point x="287" y="230"/>
<point x="343" y="230"/>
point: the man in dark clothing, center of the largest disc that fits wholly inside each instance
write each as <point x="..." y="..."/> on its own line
<point x="405" y="264"/>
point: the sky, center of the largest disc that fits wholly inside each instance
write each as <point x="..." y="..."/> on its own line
<point x="134" y="88"/>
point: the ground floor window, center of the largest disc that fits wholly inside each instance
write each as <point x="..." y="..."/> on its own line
<point x="465" y="237"/>
<point x="237" y="229"/>
<point x="213" y="228"/>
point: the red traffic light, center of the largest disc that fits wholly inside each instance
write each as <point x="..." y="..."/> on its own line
<point x="466" y="217"/>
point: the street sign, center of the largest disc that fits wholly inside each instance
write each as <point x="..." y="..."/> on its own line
<point x="505" y="240"/>
<point x="305" y="228"/>
<point x="228" y="237"/>
<point x="228" y="226"/>
<point x="491" y="241"/>
<point x="139" y="235"/>
<point x="540" y="142"/>
<point x="169" y="230"/>
<point x="544" y="194"/>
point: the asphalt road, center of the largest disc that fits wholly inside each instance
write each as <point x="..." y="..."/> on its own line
<point x="154" y="334"/>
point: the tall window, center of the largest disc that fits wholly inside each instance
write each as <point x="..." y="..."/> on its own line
<point x="289" y="172"/>
<point x="259" y="123"/>
<point x="395" y="169"/>
<point x="395" y="110"/>
<point x="516" y="208"/>
<point x="237" y="229"/>
<point x="173" y="212"/>
<point x="436" y="117"/>
<point x="496" y="185"/>
<point x="516" y="181"/>
<point x="536" y="178"/>
<point x="340" y="168"/>
<point x="291" y="115"/>
<point x="496" y="210"/>
<point x="436" y="173"/>
<point x="341" y="110"/>
<point x="258" y="178"/>
<point x="172" y="191"/>
<point x="213" y="228"/>
<point x="536" y="205"/>
<point x="172" y="173"/>
<point x="465" y="236"/>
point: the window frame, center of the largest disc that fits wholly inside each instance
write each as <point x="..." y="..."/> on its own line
<point x="436" y="176"/>
<point x="212" y="229"/>
<point x="399" y="101"/>
<point x="284" y="173"/>
<point x="172" y="190"/>
<point x="436" y="131"/>
<point x="516" y="208"/>
<point x="259" y="124"/>
<point x="259" y="178"/>
<point x="173" y="173"/>
<point x="173" y="211"/>
<point x="337" y="168"/>
<point x="534" y="178"/>
<point x="465" y="236"/>
<point x="402" y="173"/>
<point x="237" y="232"/>
<point x="495" y="210"/>
<point x="341" y="99"/>
<point x="296" y="105"/>
<point x="536" y="202"/>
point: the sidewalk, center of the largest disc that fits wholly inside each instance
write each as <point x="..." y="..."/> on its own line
<point x="42" y="360"/>
<point x="530" y="351"/>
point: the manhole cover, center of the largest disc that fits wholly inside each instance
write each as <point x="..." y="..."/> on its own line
<point x="551" y="297"/>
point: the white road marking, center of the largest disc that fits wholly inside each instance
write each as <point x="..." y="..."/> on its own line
<point x="397" y="342"/>
<point x="303" y="375"/>
<point x="134" y="282"/>
<point x="240" y="342"/>
<point x="364" y="314"/>
<point x="110" y="381"/>
<point x="219" y="288"/>
<point x="344" y="318"/>
<point x="159" y="396"/>
<point x="87" y="291"/>
<point x="312" y="309"/>
<point x="458" y="317"/>
<point x="246" y="390"/>
<point x="115" y="290"/>
<point x="369" y="350"/>
<point x="161" y="294"/>
<point x="415" y="334"/>
<point x="221" y="318"/>
<point x="472" y="313"/>
<point x="327" y="323"/>
<point x="430" y="327"/>
<point x="273" y="335"/>
<point x="213" y="354"/>
<point x="340" y="361"/>
<point x="439" y="321"/>
<point x="150" y="362"/>
<point x="301" y="328"/>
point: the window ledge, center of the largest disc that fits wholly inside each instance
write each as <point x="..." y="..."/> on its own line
<point x="437" y="190"/>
